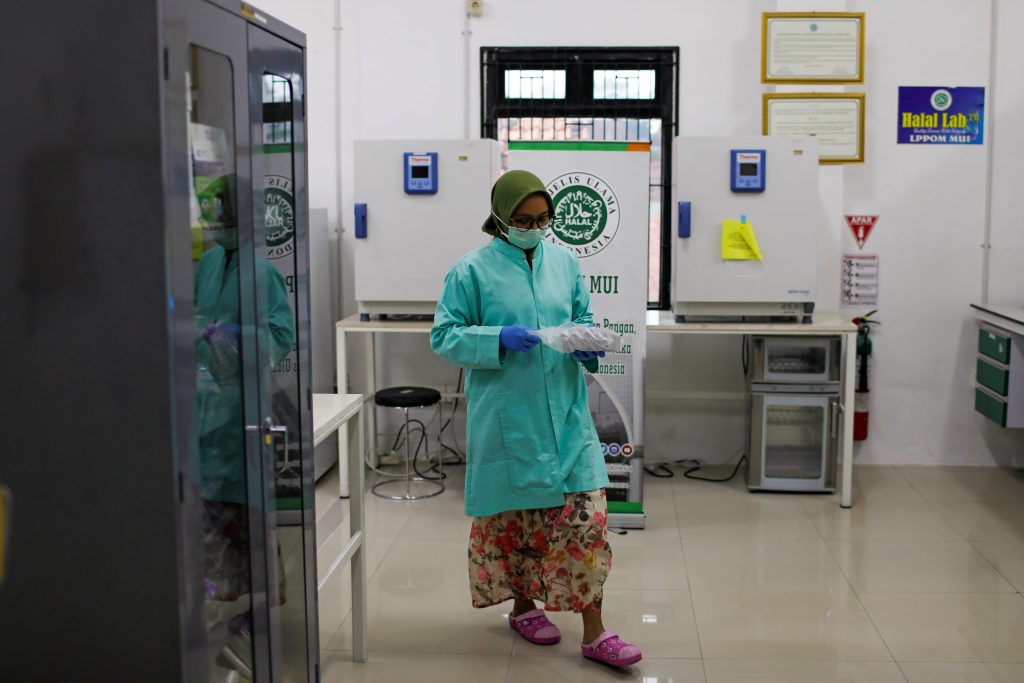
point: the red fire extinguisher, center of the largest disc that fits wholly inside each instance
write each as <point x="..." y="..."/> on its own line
<point x="861" y="405"/>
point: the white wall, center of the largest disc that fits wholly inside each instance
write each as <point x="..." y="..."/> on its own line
<point x="402" y="77"/>
<point x="931" y="203"/>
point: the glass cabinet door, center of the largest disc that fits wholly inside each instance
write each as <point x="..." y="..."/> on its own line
<point x="225" y="466"/>
<point x="251" y="458"/>
<point x="795" y="441"/>
<point x="275" y="79"/>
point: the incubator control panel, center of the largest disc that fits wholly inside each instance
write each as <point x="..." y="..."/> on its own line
<point x="420" y="173"/>
<point x="747" y="170"/>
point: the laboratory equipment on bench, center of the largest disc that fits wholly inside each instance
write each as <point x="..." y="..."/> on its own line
<point x="745" y="244"/>
<point x="795" y="413"/>
<point x="862" y="393"/>
<point x="418" y="209"/>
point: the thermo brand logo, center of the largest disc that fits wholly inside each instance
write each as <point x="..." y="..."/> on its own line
<point x="280" y="215"/>
<point x="942" y="100"/>
<point x="586" y="212"/>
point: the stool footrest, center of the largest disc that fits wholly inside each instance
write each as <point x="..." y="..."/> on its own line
<point x="407" y="495"/>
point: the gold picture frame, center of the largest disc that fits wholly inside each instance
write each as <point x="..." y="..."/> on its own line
<point x="804" y="74"/>
<point x="831" y="141"/>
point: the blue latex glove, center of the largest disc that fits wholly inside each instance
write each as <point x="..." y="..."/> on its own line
<point x="582" y="356"/>
<point x="517" y="338"/>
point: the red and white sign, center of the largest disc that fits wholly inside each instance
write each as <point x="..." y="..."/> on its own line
<point x="861" y="227"/>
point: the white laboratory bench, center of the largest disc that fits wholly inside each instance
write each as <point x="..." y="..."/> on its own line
<point x="1009" y="318"/>
<point x="334" y="413"/>
<point x="664" y="322"/>
<point x="658" y="322"/>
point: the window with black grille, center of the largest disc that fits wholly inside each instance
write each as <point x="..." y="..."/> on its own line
<point x="569" y="93"/>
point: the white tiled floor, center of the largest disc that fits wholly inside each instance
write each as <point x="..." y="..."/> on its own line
<point x="918" y="583"/>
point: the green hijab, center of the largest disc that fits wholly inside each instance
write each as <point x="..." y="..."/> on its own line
<point x="508" y="193"/>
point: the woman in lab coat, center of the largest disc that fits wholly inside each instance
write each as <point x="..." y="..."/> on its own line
<point x="535" y="474"/>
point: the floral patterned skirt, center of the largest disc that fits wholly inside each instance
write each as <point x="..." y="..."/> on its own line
<point x="559" y="555"/>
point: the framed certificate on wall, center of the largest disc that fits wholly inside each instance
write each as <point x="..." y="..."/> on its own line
<point x="836" y="119"/>
<point x="812" y="47"/>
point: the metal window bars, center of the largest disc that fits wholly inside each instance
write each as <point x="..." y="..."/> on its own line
<point x="625" y="94"/>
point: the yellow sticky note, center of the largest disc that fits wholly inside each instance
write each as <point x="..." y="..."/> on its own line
<point x="739" y="243"/>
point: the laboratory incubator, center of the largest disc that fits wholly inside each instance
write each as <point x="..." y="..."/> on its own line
<point x="745" y="227"/>
<point x="418" y="208"/>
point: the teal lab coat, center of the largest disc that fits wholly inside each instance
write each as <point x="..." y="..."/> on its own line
<point x="219" y="391"/>
<point x="530" y="435"/>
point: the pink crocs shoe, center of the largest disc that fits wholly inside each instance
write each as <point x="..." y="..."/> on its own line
<point x="535" y="627"/>
<point x="608" y="648"/>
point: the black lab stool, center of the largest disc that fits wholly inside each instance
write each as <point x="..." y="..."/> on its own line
<point x="405" y="399"/>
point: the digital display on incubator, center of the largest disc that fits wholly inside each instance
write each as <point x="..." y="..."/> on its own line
<point x="419" y="171"/>
<point x="747" y="170"/>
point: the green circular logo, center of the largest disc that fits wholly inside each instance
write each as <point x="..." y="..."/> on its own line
<point x="279" y="218"/>
<point x="586" y="212"/>
<point x="942" y="100"/>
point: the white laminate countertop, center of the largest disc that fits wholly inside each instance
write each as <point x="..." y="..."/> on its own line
<point x="330" y="411"/>
<point x="353" y="323"/>
<point x="657" y="322"/>
<point x="1005" y="315"/>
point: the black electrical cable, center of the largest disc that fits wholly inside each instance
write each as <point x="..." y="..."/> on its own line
<point x="688" y="475"/>
<point x="665" y="468"/>
<point x="423" y="435"/>
<point x="653" y="471"/>
<point x="451" y="422"/>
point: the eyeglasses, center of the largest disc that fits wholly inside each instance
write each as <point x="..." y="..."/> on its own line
<point x="528" y="222"/>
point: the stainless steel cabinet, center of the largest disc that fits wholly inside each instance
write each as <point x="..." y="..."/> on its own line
<point x="169" y="427"/>
<point x="795" y="413"/>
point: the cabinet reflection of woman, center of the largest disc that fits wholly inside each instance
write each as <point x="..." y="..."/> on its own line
<point x="535" y="476"/>
<point x="222" y="466"/>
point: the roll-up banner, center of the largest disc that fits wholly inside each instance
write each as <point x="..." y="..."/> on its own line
<point x="602" y="196"/>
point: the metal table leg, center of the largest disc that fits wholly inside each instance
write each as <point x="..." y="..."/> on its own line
<point x="341" y="380"/>
<point x="357" y="516"/>
<point x="371" y="391"/>
<point x="846" y="437"/>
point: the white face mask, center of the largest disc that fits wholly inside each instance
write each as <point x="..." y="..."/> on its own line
<point x="524" y="239"/>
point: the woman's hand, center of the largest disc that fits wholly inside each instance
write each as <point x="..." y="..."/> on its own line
<point x="582" y="356"/>
<point x="517" y="338"/>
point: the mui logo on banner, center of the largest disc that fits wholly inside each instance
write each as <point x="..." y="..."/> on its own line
<point x="586" y="216"/>
<point x="942" y="100"/>
<point x="280" y="215"/>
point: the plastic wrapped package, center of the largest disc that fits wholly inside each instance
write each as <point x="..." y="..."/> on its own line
<point x="572" y="337"/>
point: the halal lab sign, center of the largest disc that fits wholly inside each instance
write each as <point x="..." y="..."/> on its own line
<point x="586" y="216"/>
<point x="280" y="216"/>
